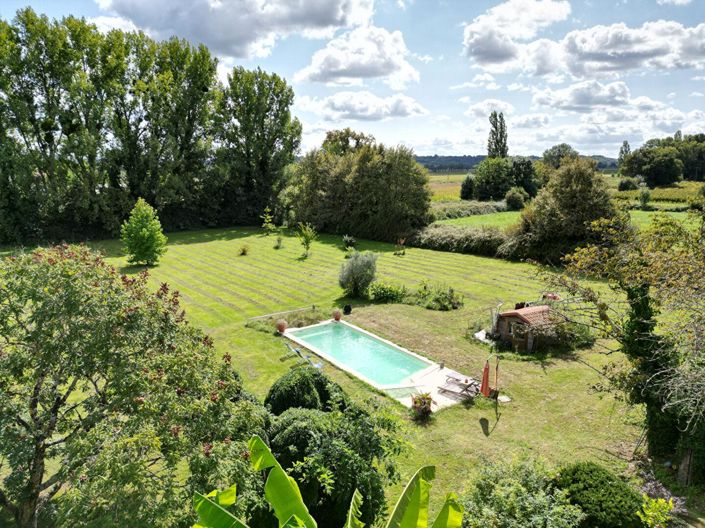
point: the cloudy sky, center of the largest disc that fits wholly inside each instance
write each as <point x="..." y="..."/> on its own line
<point x="427" y="73"/>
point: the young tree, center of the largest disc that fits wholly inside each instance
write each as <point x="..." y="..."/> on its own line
<point x="107" y="395"/>
<point x="624" y="151"/>
<point x="497" y="141"/>
<point x="558" y="219"/>
<point x="493" y="179"/>
<point x="142" y="235"/>
<point x="557" y="154"/>
<point x="306" y="234"/>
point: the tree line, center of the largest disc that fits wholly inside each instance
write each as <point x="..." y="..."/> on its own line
<point x="90" y="122"/>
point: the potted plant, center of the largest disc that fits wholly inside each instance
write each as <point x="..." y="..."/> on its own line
<point x="281" y="326"/>
<point x="337" y="314"/>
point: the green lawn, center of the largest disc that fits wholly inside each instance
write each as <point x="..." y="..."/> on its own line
<point x="553" y="412"/>
<point x="640" y="219"/>
<point x="446" y="186"/>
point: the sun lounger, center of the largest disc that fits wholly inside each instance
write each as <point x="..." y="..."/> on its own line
<point x="304" y="358"/>
<point x="467" y="388"/>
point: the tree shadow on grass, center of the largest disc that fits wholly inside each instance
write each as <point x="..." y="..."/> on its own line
<point x="133" y="269"/>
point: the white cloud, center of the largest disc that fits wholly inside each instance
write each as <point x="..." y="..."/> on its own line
<point x="240" y="28"/>
<point x="481" y="80"/>
<point x="584" y="96"/>
<point x="697" y="94"/>
<point x="518" y="87"/>
<point x="673" y="2"/>
<point x="106" y="23"/>
<point x="491" y="37"/>
<point x="530" y="121"/>
<point x="361" y="106"/>
<point x="364" y="53"/>
<point x="484" y="108"/>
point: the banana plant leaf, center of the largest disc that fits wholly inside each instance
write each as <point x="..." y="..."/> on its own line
<point x="353" y="518"/>
<point x="280" y="490"/>
<point x="451" y="515"/>
<point x="213" y="515"/>
<point x="411" y="510"/>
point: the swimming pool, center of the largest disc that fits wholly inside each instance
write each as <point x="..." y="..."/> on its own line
<point x="376" y="361"/>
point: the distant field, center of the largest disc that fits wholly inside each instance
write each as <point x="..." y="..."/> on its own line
<point x="446" y="187"/>
<point x="640" y="219"/>
<point x="678" y="193"/>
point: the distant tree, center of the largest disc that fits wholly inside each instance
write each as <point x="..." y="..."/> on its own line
<point x="557" y="153"/>
<point x="516" y="198"/>
<point x="493" y="179"/>
<point x="624" y="151"/>
<point x="142" y="235"/>
<point x="467" y="189"/>
<point x="559" y="218"/>
<point x="341" y="142"/>
<point x="657" y="166"/>
<point x="523" y="173"/>
<point x="497" y="141"/>
<point x="106" y="392"/>
<point x="678" y="136"/>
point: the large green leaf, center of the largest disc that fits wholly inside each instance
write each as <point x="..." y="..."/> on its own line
<point x="411" y="510"/>
<point x="353" y="518"/>
<point x="280" y="490"/>
<point x="451" y="515"/>
<point x="213" y="515"/>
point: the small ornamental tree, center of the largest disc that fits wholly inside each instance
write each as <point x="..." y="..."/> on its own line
<point x="357" y="273"/>
<point x="108" y="397"/>
<point x="142" y="235"/>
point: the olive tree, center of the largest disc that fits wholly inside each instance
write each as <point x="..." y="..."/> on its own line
<point x="107" y="394"/>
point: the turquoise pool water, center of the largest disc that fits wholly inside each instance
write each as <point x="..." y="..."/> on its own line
<point x="371" y="358"/>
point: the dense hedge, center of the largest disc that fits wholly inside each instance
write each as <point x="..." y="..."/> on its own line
<point x="463" y="208"/>
<point x="607" y="501"/>
<point x="304" y="387"/>
<point x="475" y="241"/>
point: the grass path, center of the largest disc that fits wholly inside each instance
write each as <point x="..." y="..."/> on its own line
<point x="553" y="412"/>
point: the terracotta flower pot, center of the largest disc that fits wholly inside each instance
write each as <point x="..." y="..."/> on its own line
<point x="281" y="326"/>
<point x="336" y="314"/>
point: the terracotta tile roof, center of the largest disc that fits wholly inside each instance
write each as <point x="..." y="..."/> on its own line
<point x="532" y="315"/>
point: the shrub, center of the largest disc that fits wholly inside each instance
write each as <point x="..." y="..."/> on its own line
<point x="421" y="406"/>
<point x="244" y="250"/>
<point x="360" y="188"/>
<point x="515" y="198"/>
<point x="559" y="218"/>
<point x="656" y="513"/>
<point x="467" y="189"/>
<point x="306" y="234"/>
<point x="438" y="297"/>
<point x="303" y="387"/>
<point x="476" y="241"/>
<point x="142" y="235"/>
<point x="516" y="495"/>
<point x="330" y="454"/>
<point x="644" y="199"/>
<point x="383" y="292"/>
<point x="523" y="174"/>
<point x="492" y="179"/>
<point x="461" y="209"/>
<point x="358" y="273"/>
<point x="628" y="184"/>
<point x="349" y="241"/>
<point x="606" y="500"/>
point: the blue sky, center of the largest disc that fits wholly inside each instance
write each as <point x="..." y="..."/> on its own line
<point x="427" y="73"/>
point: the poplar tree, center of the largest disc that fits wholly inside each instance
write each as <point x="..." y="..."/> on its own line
<point x="497" y="141"/>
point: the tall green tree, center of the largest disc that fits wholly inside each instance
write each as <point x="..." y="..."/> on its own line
<point x="624" y="151"/>
<point x="108" y="396"/>
<point x="558" y="154"/>
<point x="658" y="166"/>
<point x="142" y="235"/>
<point x="497" y="141"/>
<point x="257" y="137"/>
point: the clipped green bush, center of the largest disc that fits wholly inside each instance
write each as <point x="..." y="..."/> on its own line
<point x="472" y="240"/>
<point x="384" y="292"/>
<point x="438" y="297"/>
<point x="303" y="387"/>
<point x="142" y="235"/>
<point x="516" y="198"/>
<point x="628" y="184"/>
<point x="467" y="189"/>
<point x="606" y="500"/>
<point x="463" y="208"/>
<point x="358" y="273"/>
